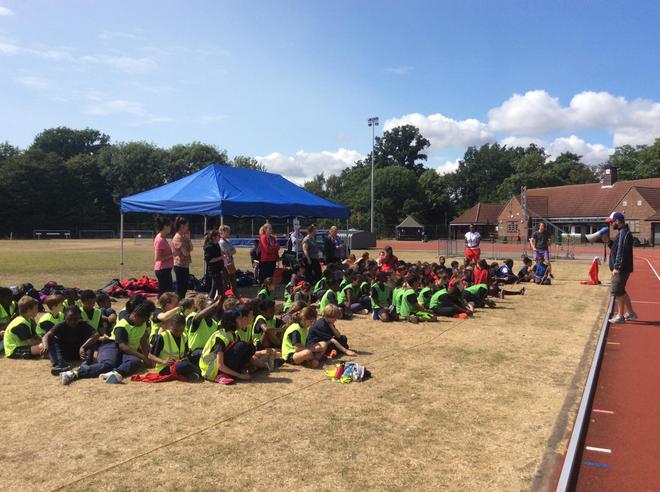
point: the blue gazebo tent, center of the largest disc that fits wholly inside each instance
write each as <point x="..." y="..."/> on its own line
<point x="233" y="191"/>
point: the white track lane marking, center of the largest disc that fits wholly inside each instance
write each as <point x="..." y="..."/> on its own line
<point x="610" y="412"/>
<point x="651" y="266"/>
<point x="598" y="450"/>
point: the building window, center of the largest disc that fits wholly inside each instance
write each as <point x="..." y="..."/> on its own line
<point x="633" y="225"/>
<point x="625" y="203"/>
<point x="512" y="226"/>
<point x="639" y="203"/>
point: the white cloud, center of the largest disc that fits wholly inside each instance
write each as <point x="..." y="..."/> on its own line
<point x="448" y="167"/>
<point x="444" y="132"/>
<point x="514" y="141"/>
<point x="303" y="165"/>
<point x="4" y="11"/>
<point x="9" y="49"/>
<point x="591" y="153"/>
<point x="533" y="112"/>
<point x="398" y="70"/>
<point x="537" y="112"/>
<point x="116" y="106"/>
<point x="33" y="81"/>
<point x="124" y="63"/>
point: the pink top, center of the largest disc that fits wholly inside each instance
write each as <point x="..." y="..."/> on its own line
<point x="162" y="250"/>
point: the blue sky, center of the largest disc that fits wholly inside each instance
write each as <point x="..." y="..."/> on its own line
<point x="293" y="82"/>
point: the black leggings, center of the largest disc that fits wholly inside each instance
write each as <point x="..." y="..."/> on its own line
<point x="266" y="269"/>
<point x="217" y="283"/>
<point x="445" y="310"/>
<point x="312" y="271"/>
<point x="238" y="355"/>
<point x="182" y="275"/>
<point x="164" y="277"/>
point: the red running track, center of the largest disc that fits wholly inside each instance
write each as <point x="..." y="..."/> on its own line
<point x="622" y="445"/>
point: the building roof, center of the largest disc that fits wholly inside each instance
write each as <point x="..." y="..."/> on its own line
<point x="587" y="200"/>
<point x="652" y="197"/>
<point x="480" y="214"/>
<point x="410" y="222"/>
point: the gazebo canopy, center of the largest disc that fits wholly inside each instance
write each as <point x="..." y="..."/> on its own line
<point x="233" y="191"/>
<point x="410" y="222"/>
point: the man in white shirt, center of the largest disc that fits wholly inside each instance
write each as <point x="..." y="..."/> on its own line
<point x="472" y="241"/>
<point x="296" y="238"/>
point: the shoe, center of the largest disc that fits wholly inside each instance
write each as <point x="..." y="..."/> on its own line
<point x="59" y="369"/>
<point x="115" y="378"/>
<point x="618" y="319"/>
<point x="222" y="379"/>
<point x="631" y="316"/>
<point x="279" y="363"/>
<point x="413" y="319"/>
<point x="67" y="377"/>
<point x="500" y="294"/>
<point x="374" y="316"/>
<point x="105" y="375"/>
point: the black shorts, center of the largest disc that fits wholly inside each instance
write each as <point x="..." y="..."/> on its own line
<point x="618" y="287"/>
<point x="23" y="353"/>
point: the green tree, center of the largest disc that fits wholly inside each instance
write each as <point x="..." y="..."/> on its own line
<point x="402" y="146"/>
<point x="316" y="185"/>
<point x="132" y="167"/>
<point x="248" y="163"/>
<point x="183" y="160"/>
<point x="67" y="142"/>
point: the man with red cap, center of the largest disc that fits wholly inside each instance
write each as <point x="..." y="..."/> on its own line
<point x="621" y="264"/>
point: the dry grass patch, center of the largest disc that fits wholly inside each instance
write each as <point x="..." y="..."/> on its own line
<point x="460" y="405"/>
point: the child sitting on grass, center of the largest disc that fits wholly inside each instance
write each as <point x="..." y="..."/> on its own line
<point x="267" y="288"/>
<point x="381" y="298"/>
<point x="169" y="350"/>
<point x="295" y="349"/>
<point x="324" y="330"/>
<point x="541" y="272"/>
<point x="108" y="314"/>
<point x="69" y="340"/>
<point x="21" y="341"/>
<point x="123" y="353"/>
<point x="71" y="298"/>
<point x="168" y="307"/>
<point x="525" y="273"/>
<point x="267" y="329"/>
<point x="226" y="358"/>
<point x="55" y="315"/>
<point x="88" y="310"/>
<point x="200" y="325"/>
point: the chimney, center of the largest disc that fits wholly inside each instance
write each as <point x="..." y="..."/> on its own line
<point x="609" y="178"/>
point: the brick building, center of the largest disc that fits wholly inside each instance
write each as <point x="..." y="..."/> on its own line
<point x="581" y="209"/>
<point x="483" y="215"/>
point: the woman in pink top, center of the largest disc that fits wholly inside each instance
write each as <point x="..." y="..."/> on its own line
<point x="164" y="259"/>
<point x="182" y="248"/>
<point x="270" y="249"/>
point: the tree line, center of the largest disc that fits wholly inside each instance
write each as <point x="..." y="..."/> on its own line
<point x="488" y="173"/>
<point x="74" y="178"/>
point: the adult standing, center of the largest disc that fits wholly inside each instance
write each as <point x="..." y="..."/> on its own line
<point x="296" y="239"/>
<point x="182" y="248"/>
<point x="163" y="257"/>
<point x="472" y="245"/>
<point x="215" y="266"/>
<point x="311" y="256"/>
<point x="228" y="252"/>
<point x="540" y="243"/>
<point x="331" y="246"/>
<point x="621" y="264"/>
<point x="270" y="249"/>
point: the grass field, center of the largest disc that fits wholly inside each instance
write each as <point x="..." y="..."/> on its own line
<point x="480" y="404"/>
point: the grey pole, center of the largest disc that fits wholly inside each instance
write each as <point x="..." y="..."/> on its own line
<point x="121" y="247"/>
<point x="373" y="123"/>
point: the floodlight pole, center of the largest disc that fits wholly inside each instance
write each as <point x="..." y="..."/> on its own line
<point x="121" y="247"/>
<point x="373" y="123"/>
